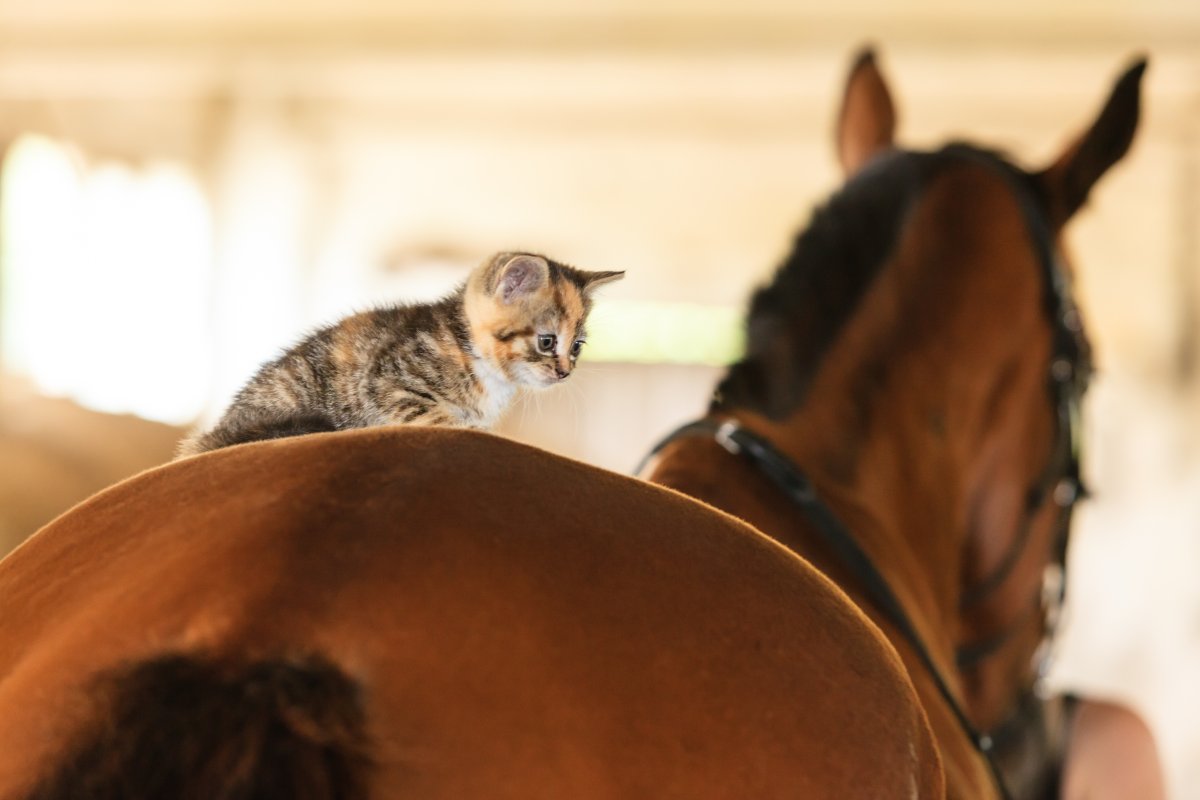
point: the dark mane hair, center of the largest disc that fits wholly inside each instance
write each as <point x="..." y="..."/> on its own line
<point x="795" y="318"/>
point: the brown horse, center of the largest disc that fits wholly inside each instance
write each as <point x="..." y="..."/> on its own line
<point x="445" y="614"/>
<point x="435" y="613"/>
<point x="904" y="417"/>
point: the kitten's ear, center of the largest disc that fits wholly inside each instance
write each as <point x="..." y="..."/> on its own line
<point x="520" y="277"/>
<point x="594" y="280"/>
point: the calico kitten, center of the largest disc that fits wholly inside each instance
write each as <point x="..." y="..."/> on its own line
<point x="518" y="321"/>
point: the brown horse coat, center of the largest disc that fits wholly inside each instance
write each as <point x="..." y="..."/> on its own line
<point x="513" y="624"/>
<point x="901" y="359"/>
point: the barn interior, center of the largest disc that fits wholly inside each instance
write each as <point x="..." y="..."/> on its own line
<point x="187" y="187"/>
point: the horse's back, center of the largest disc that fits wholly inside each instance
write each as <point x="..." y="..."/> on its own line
<point x="509" y="624"/>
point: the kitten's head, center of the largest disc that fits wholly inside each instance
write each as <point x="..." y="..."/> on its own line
<point x="527" y="315"/>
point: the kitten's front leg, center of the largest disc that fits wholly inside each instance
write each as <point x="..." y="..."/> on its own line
<point x="410" y="410"/>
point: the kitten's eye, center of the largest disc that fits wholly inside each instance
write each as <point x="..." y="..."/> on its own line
<point x="575" y="348"/>
<point x="546" y="342"/>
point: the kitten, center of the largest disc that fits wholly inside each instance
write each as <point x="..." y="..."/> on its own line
<point x="518" y="321"/>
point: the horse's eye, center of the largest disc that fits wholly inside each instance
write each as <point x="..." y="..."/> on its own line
<point x="546" y="342"/>
<point x="575" y="348"/>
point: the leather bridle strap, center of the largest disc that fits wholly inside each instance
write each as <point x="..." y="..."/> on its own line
<point x="788" y="478"/>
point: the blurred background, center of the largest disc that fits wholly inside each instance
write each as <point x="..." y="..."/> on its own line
<point x="186" y="187"/>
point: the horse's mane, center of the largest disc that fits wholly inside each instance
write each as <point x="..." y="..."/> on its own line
<point x="795" y="318"/>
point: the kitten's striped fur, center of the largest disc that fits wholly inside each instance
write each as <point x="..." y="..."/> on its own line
<point x="518" y="321"/>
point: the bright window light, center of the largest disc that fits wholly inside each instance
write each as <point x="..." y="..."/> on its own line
<point x="106" y="274"/>
<point x="665" y="333"/>
<point x="107" y="284"/>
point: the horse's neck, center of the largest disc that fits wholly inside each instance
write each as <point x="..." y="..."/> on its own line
<point x="925" y="419"/>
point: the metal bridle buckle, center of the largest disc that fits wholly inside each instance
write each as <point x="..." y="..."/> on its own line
<point x="1053" y="584"/>
<point x="724" y="436"/>
<point x="1066" y="492"/>
<point x="1062" y="370"/>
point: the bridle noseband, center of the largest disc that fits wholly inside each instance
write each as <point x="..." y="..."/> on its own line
<point x="1060" y="482"/>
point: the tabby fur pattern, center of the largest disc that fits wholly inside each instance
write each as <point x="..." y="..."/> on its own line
<point x="517" y="322"/>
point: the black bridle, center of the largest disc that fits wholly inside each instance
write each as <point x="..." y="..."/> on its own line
<point x="1060" y="483"/>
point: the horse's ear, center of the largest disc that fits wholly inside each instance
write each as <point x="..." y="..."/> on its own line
<point x="1068" y="181"/>
<point x="867" y="121"/>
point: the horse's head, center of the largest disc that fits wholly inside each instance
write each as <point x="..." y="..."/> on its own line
<point x="919" y="354"/>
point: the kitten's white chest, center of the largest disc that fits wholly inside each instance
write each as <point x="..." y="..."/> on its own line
<point x="497" y="393"/>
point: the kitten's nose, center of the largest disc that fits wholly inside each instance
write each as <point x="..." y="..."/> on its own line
<point x="561" y="373"/>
